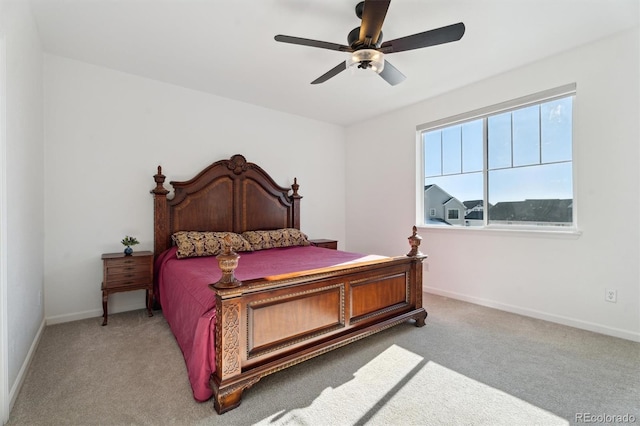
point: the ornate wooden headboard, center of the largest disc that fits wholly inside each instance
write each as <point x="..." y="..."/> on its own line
<point x="229" y="195"/>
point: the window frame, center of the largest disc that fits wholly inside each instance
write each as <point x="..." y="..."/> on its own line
<point x="568" y="90"/>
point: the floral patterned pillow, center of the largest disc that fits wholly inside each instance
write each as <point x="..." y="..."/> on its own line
<point x="286" y="237"/>
<point x="194" y="243"/>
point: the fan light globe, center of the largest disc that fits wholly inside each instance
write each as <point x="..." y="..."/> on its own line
<point x="367" y="58"/>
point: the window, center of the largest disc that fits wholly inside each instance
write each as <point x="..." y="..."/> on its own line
<point x="512" y="161"/>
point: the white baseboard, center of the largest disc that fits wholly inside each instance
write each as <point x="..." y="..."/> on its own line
<point x="17" y="385"/>
<point x="93" y="313"/>
<point x="559" y="319"/>
<point x="59" y="319"/>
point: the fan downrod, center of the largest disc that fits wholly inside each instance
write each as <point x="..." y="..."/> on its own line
<point x="354" y="36"/>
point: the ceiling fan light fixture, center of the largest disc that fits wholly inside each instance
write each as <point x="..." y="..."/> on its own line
<point x="367" y="58"/>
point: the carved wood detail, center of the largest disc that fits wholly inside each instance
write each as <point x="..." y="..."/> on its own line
<point x="229" y="195"/>
<point x="229" y="353"/>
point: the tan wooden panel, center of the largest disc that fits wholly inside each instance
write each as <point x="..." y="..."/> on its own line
<point x="289" y="319"/>
<point x="209" y="209"/>
<point x="376" y="294"/>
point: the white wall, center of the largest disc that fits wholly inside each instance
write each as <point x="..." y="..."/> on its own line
<point x="106" y="132"/>
<point x="561" y="279"/>
<point x="23" y="195"/>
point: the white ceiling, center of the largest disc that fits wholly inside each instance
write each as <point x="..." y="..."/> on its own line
<point x="227" y="47"/>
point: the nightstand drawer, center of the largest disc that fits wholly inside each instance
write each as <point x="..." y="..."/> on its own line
<point x="115" y="268"/>
<point x="126" y="283"/>
<point x="119" y="280"/>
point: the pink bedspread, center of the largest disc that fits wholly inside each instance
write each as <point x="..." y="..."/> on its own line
<point x="189" y="305"/>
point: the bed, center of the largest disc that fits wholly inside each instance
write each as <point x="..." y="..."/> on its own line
<point x="241" y="315"/>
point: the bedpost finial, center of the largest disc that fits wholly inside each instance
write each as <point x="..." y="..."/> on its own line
<point x="414" y="242"/>
<point x="295" y="186"/>
<point x="228" y="262"/>
<point x="159" y="179"/>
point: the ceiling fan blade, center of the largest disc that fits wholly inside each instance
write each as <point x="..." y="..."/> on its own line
<point x="331" y="73"/>
<point x="428" y="38"/>
<point x="373" y="16"/>
<point x="312" y="43"/>
<point x="391" y="74"/>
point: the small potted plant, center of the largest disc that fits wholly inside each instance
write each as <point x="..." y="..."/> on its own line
<point x="128" y="241"/>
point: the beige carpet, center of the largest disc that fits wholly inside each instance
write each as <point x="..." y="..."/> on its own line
<point x="400" y="387"/>
<point x="469" y="366"/>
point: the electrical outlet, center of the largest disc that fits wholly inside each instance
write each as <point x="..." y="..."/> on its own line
<point x="611" y="295"/>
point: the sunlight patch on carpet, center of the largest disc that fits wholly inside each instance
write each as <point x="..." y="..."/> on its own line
<point x="400" y="387"/>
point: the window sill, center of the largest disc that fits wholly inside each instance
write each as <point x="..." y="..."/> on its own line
<point x="570" y="233"/>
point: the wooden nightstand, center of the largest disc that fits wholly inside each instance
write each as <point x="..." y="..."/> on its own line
<point x="126" y="273"/>
<point x="330" y="244"/>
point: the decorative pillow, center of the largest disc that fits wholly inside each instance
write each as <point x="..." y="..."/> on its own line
<point x="285" y="237"/>
<point x="194" y="243"/>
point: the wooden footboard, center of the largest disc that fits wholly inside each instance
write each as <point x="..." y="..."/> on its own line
<point x="269" y="324"/>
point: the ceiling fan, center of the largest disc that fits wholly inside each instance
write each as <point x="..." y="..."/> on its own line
<point x="366" y="46"/>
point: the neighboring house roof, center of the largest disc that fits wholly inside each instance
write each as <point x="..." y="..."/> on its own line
<point x="473" y="203"/>
<point x="442" y="191"/>
<point x="551" y="210"/>
<point x="451" y="200"/>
